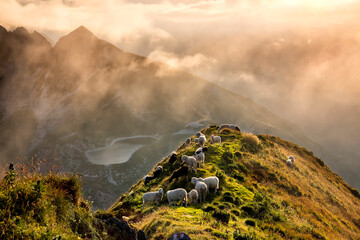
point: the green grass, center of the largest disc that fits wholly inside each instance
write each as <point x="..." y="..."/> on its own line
<point x="259" y="196"/>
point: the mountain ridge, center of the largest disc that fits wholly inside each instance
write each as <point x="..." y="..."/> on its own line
<point x="94" y="92"/>
<point x="260" y="197"/>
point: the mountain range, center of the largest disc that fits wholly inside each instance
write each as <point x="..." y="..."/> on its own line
<point x="82" y="95"/>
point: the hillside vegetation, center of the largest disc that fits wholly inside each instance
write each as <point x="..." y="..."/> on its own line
<point x="51" y="206"/>
<point x="260" y="197"/>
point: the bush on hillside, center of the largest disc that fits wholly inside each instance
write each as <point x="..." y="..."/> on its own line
<point x="251" y="142"/>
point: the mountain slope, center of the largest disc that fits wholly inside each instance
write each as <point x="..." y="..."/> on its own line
<point x="260" y="197"/>
<point x="84" y="93"/>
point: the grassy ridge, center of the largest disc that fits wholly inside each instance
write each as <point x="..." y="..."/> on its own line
<point x="259" y="198"/>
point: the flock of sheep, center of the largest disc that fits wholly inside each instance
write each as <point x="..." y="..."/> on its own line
<point x="202" y="185"/>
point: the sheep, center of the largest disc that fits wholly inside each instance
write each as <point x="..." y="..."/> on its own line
<point x="198" y="134"/>
<point x="289" y="163"/>
<point x="148" y="179"/>
<point x="158" y="171"/>
<point x="173" y="157"/>
<point x="216" y="139"/>
<point x="188" y="141"/>
<point x="196" y="140"/>
<point x="211" y="182"/>
<point x="201" y="149"/>
<point x="175" y="195"/>
<point x="202" y="189"/>
<point x="125" y="218"/>
<point x="200" y="156"/>
<point x="223" y="126"/>
<point x="193" y="196"/>
<point x="183" y="171"/>
<point x="190" y="161"/>
<point x="230" y="126"/>
<point x="202" y="140"/>
<point x="152" y="197"/>
<point x="234" y="127"/>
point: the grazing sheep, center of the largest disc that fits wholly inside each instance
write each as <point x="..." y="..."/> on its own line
<point x="175" y="195"/>
<point x="234" y="127"/>
<point x="173" y="157"/>
<point x="211" y="182"/>
<point x="196" y="140"/>
<point x="289" y="163"/>
<point x="223" y="126"/>
<point x="190" y="161"/>
<point x="193" y="196"/>
<point x="202" y="189"/>
<point x="216" y="139"/>
<point x="198" y="134"/>
<point x="292" y="158"/>
<point x="188" y="141"/>
<point x="158" y="171"/>
<point x="183" y="171"/>
<point x="230" y="126"/>
<point x="148" y="179"/>
<point x="202" y="140"/>
<point x="200" y="156"/>
<point x="152" y="197"/>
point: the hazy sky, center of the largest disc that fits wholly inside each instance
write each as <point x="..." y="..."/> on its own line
<point x="298" y="58"/>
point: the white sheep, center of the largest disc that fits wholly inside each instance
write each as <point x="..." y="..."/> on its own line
<point x="193" y="196"/>
<point x="190" y="161"/>
<point x="234" y="127"/>
<point x="200" y="155"/>
<point x="202" y="189"/>
<point x="211" y="182"/>
<point x="289" y="163"/>
<point x="198" y="134"/>
<point x="188" y="141"/>
<point x="202" y="140"/>
<point x="175" y="195"/>
<point x="152" y="197"/>
<point x="292" y="158"/>
<point x="196" y="140"/>
<point x="216" y="139"/>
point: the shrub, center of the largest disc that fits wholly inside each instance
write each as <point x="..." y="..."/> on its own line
<point x="238" y="155"/>
<point x="235" y="212"/>
<point x="222" y="216"/>
<point x="237" y="235"/>
<point x="228" y="197"/>
<point x="238" y="176"/>
<point x="208" y="208"/>
<point x="227" y="157"/>
<point x="251" y="142"/>
<point x="250" y="222"/>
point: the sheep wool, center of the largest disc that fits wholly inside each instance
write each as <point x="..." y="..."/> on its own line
<point x="176" y="195"/>
<point x="152" y="197"/>
<point x="216" y="139"/>
<point x="193" y="196"/>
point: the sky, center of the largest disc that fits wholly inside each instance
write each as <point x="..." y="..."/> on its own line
<point x="297" y="58"/>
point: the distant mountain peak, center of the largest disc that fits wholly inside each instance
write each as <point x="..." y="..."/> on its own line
<point x="81" y="35"/>
<point x="80" y="32"/>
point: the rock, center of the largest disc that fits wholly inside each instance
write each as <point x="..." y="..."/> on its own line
<point x="179" y="236"/>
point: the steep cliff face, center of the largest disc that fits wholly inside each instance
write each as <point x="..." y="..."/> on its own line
<point x="260" y="197"/>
